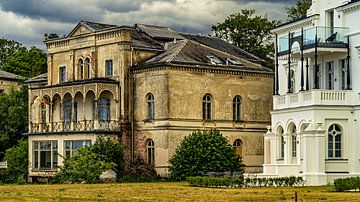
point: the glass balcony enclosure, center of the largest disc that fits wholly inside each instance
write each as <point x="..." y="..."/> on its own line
<point x="332" y="37"/>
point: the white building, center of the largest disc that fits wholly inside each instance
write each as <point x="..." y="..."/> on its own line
<point x="316" y="115"/>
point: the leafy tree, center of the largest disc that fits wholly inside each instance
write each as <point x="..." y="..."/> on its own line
<point x="206" y="151"/>
<point x="89" y="163"/>
<point x="299" y="10"/>
<point x="250" y="32"/>
<point x="8" y="48"/>
<point x="17" y="161"/>
<point x="26" y="63"/>
<point x="13" y="118"/>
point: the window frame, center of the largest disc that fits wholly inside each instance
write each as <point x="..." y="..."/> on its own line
<point x="62" y="74"/>
<point x="207" y="107"/>
<point x="109" y="66"/>
<point x="69" y="152"/>
<point x="332" y="151"/>
<point x="150" y="100"/>
<point x="237" y="108"/>
<point x="150" y="148"/>
<point x="37" y="153"/>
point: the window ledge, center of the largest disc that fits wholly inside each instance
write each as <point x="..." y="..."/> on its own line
<point x="44" y="170"/>
<point x="335" y="159"/>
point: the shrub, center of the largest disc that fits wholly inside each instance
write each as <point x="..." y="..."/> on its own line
<point x="89" y="163"/>
<point x="17" y="164"/>
<point x="346" y="184"/>
<point x="139" y="171"/>
<point x="202" y="152"/>
<point x="218" y="182"/>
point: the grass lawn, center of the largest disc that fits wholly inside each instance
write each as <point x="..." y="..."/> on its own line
<point x="165" y="191"/>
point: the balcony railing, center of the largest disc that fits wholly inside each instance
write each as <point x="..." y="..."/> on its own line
<point x="334" y="37"/>
<point x="314" y="97"/>
<point x="73" y="126"/>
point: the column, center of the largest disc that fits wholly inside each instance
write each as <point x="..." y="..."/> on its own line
<point x="96" y="118"/>
<point x="287" y="148"/>
<point x="302" y="59"/>
<point x="316" y="86"/>
<point x="276" y="86"/>
<point x="72" y="124"/>
<point x="307" y="75"/>
<point x="51" y="114"/>
<point x="61" y="124"/>
<point x="83" y="118"/>
<point x="348" y="65"/>
<point x="298" y="147"/>
<point x="289" y="64"/>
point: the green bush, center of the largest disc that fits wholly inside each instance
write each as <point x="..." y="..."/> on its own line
<point x="139" y="171"/>
<point x="346" y="184"/>
<point x="202" y="152"/>
<point x="232" y="182"/>
<point x="17" y="164"/>
<point x="89" y="163"/>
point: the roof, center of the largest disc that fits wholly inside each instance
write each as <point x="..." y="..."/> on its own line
<point x="38" y="79"/>
<point x="348" y="3"/>
<point x="190" y="52"/>
<point x="221" y="45"/>
<point x="9" y="76"/>
<point x="304" y="18"/>
<point x="142" y="40"/>
<point x="94" y="26"/>
<point x="158" y="32"/>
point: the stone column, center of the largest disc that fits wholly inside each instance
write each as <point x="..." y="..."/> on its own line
<point x="96" y="118"/>
<point x="83" y="118"/>
<point x="287" y="148"/>
<point x="61" y="124"/>
<point x="51" y="115"/>
<point x="314" y="155"/>
<point x="72" y="124"/>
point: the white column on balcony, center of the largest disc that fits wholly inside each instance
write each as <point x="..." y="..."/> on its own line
<point x="51" y="115"/>
<point x="298" y="147"/>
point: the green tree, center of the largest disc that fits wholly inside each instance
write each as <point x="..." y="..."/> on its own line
<point x="8" y="48"/>
<point x="26" y="63"/>
<point x="299" y="10"/>
<point x="249" y="32"/>
<point x="13" y="118"/>
<point x="17" y="160"/>
<point x="206" y="151"/>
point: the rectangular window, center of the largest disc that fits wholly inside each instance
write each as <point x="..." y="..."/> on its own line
<point x="330" y="21"/>
<point x="72" y="145"/>
<point x="45" y="155"/>
<point x="317" y="76"/>
<point x="109" y="68"/>
<point x="344" y="72"/>
<point x="293" y="146"/>
<point x="331" y="75"/>
<point x="62" y="74"/>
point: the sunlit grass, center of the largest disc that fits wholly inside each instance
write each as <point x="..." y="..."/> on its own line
<point x="165" y="191"/>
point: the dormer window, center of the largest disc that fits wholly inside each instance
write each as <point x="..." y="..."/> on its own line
<point x="214" y="60"/>
<point x="230" y="61"/>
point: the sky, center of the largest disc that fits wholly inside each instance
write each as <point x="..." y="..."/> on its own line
<point x="27" y="21"/>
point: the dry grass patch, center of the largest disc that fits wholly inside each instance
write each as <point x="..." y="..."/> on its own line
<point x="165" y="192"/>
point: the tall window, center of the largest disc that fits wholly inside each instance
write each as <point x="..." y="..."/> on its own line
<point x="43" y="113"/>
<point x="67" y="107"/>
<point x="72" y="145"/>
<point x="109" y="68"/>
<point x="238" y="147"/>
<point x="150" y="152"/>
<point x="331" y="75"/>
<point x="104" y="109"/>
<point x="292" y="81"/>
<point x="317" y="76"/>
<point x="45" y="155"/>
<point x="62" y="74"/>
<point x="334" y="141"/>
<point x="344" y="74"/>
<point x="206" y="105"/>
<point x="282" y="142"/>
<point x="87" y="68"/>
<point x="150" y="105"/>
<point x="293" y="142"/>
<point x="236" y="108"/>
<point x="80" y="69"/>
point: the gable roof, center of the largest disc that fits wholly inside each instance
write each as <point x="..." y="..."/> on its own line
<point x="38" y="78"/>
<point x="9" y="76"/>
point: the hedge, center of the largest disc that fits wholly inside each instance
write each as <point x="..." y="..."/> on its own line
<point x="347" y="184"/>
<point x="223" y="182"/>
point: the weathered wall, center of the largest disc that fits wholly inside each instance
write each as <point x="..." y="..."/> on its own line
<point x="6" y="86"/>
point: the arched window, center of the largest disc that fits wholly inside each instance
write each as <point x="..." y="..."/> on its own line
<point x="238" y="147"/>
<point x="293" y="142"/>
<point x="150" y="152"/>
<point x="151" y="107"/>
<point x="87" y="68"/>
<point x="81" y="69"/>
<point x="43" y="112"/>
<point x="281" y="142"/>
<point x="236" y="108"/>
<point x="104" y="109"/>
<point x="206" y="104"/>
<point x="334" y="141"/>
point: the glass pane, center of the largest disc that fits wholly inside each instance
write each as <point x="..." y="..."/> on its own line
<point x="36" y="159"/>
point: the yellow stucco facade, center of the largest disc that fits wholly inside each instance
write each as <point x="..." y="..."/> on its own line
<point x="97" y="84"/>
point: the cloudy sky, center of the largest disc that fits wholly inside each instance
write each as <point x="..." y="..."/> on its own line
<point x="27" y="20"/>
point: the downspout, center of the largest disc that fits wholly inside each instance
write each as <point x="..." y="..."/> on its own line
<point x="132" y="105"/>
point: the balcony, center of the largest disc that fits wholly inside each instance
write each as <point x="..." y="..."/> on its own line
<point x="75" y="126"/>
<point x="324" y="38"/>
<point x="314" y="97"/>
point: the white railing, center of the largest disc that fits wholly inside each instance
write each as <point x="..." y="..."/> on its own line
<point x="315" y="97"/>
<point x="3" y="165"/>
